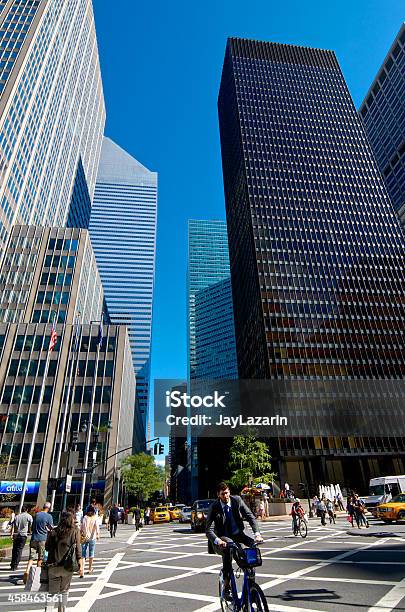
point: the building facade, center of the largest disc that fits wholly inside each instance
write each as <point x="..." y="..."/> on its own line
<point x="316" y="249"/>
<point x="49" y="277"/>
<point x="123" y="234"/>
<point x="383" y="116"/>
<point x="52" y="112"/>
<point x="211" y="333"/>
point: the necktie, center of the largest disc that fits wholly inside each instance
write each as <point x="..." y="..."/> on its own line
<point x="228" y="520"/>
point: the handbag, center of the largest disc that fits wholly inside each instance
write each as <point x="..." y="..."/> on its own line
<point x="69" y="561"/>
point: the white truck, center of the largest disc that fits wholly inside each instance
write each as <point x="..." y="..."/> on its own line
<point x="383" y="489"/>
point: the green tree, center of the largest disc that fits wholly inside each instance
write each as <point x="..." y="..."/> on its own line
<point x="249" y="460"/>
<point x="141" y="475"/>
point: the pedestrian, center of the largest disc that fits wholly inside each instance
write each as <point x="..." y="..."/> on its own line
<point x="351" y="511"/>
<point x="78" y="515"/>
<point x="19" y="533"/>
<point x="321" y="511"/>
<point x="41" y="526"/>
<point x="315" y="501"/>
<point x="90" y="532"/>
<point x="262" y="512"/>
<point x="340" y="501"/>
<point x="113" y="520"/>
<point x="360" y="512"/>
<point x="64" y="553"/>
<point x="93" y="504"/>
<point x="330" y="509"/>
<point x="147" y="516"/>
<point x="137" y="516"/>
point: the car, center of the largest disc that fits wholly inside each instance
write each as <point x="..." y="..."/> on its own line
<point x="393" y="510"/>
<point x="185" y="514"/>
<point x="175" y="511"/>
<point x="160" y="514"/>
<point x="199" y="512"/>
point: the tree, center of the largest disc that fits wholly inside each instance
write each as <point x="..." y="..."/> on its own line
<point x="249" y="460"/>
<point x="141" y="475"/>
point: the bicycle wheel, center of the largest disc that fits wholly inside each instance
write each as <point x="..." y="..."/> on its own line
<point x="303" y="529"/>
<point x="258" y="601"/>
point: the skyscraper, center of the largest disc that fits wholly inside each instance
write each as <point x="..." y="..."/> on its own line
<point x="51" y="112"/>
<point x="211" y="333"/>
<point x="316" y="250"/>
<point x="383" y="115"/>
<point x="123" y="235"/>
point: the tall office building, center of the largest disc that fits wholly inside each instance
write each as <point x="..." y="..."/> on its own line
<point x="49" y="274"/>
<point x="123" y="234"/>
<point x="383" y="115"/>
<point x="316" y="250"/>
<point x="51" y="113"/>
<point x="211" y="334"/>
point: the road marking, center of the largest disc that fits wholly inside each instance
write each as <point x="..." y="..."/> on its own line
<point x="132" y="537"/>
<point x="87" y="601"/>
<point x="391" y="599"/>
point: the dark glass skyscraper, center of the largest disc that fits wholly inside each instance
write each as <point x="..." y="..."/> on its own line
<point x="383" y="115"/>
<point x="316" y="251"/>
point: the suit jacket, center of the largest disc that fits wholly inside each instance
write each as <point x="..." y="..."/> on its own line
<point x="215" y="522"/>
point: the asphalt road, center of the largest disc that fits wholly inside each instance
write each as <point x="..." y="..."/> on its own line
<point x="166" y="567"/>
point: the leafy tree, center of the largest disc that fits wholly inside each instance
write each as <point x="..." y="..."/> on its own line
<point x="249" y="460"/>
<point x="141" y="475"/>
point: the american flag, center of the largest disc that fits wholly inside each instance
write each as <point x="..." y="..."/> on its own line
<point x="53" y="339"/>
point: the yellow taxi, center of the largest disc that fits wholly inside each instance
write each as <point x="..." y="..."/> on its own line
<point x="175" y="512"/>
<point x="393" y="510"/>
<point x="160" y="514"/>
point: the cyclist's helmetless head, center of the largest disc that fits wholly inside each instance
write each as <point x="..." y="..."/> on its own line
<point x="223" y="492"/>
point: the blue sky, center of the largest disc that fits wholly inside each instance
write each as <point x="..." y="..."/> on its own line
<point x="161" y="64"/>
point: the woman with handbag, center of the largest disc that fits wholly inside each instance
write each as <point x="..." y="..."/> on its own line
<point x="90" y="532"/>
<point x="64" y="558"/>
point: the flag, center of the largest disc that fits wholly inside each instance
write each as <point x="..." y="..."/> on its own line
<point x="100" y="334"/>
<point x="53" y="338"/>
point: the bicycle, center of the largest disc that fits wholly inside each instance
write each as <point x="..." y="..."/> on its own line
<point x="300" y="527"/>
<point x="252" y="598"/>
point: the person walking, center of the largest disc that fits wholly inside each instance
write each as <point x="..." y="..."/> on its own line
<point x="41" y="526"/>
<point x="19" y="532"/>
<point x="360" y="512"/>
<point x="340" y="501"/>
<point x="137" y="516"/>
<point x="64" y="548"/>
<point x="321" y="511"/>
<point x="90" y="532"/>
<point x="78" y="515"/>
<point x="351" y="511"/>
<point x="330" y="509"/>
<point x="113" y="520"/>
<point x="146" y="516"/>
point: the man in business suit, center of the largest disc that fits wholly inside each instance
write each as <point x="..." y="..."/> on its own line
<point x="224" y="524"/>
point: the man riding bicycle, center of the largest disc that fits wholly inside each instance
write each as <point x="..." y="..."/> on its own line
<point x="297" y="512"/>
<point x="225" y="524"/>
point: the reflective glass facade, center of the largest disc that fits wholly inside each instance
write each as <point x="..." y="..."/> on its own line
<point x="316" y="250"/>
<point x="211" y="335"/>
<point x="123" y="233"/>
<point x="51" y="109"/>
<point x="383" y="115"/>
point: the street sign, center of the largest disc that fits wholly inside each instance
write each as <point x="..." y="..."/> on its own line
<point x="83" y="471"/>
<point x="68" y="486"/>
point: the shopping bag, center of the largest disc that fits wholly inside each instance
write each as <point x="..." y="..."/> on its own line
<point x="33" y="583"/>
<point x="349" y="518"/>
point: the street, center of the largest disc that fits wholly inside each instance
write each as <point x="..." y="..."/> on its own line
<point x="166" y="567"/>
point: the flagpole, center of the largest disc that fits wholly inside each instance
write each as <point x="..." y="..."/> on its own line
<point x="90" y="421"/>
<point x="36" y="423"/>
<point x="65" y="413"/>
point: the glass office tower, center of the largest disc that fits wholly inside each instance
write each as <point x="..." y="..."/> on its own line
<point x="316" y="250"/>
<point x="383" y="115"/>
<point x="51" y="112"/>
<point x="211" y="334"/>
<point x="123" y="234"/>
